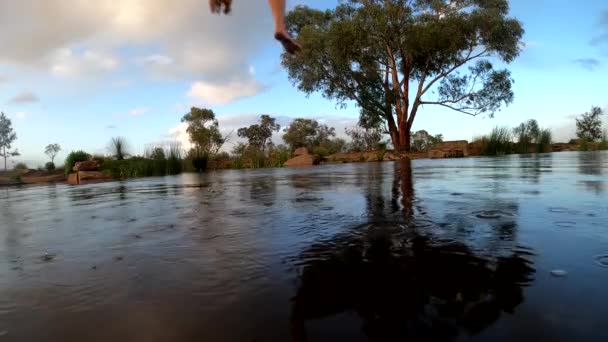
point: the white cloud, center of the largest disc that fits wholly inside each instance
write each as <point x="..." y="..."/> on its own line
<point x="87" y="38"/>
<point x="66" y="63"/>
<point x="222" y="93"/>
<point x="139" y="111"/>
<point x="25" y="97"/>
<point x="179" y="133"/>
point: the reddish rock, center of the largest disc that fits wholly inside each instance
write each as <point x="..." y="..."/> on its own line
<point x="92" y="176"/>
<point x="89" y="165"/>
<point x="450" y="149"/>
<point x="73" y="178"/>
<point x="303" y="160"/>
<point x="302" y="151"/>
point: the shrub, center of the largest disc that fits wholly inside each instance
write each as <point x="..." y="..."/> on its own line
<point x="604" y="143"/>
<point x="544" y="141"/>
<point x="174" y="158"/>
<point x="73" y="158"/>
<point x="380" y="155"/>
<point x="50" y="166"/>
<point x="499" y="142"/>
<point x="583" y="145"/>
<point x="21" y="166"/>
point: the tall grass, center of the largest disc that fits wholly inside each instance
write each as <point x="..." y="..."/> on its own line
<point x="118" y="148"/>
<point x="604" y="142"/>
<point x="175" y="155"/>
<point x="545" y="138"/>
<point x="499" y="142"/>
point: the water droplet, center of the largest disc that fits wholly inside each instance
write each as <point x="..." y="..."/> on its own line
<point x="602" y="260"/>
<point x="559" y="273"/>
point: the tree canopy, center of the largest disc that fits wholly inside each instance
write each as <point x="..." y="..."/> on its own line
<point x="258" y="135"/>
<point x="589" y="125"/>
<point x="307" y="133"/>
<point x="203" y="130"/>
<point x="7" y="137"/>
<point x="389" y="56"/>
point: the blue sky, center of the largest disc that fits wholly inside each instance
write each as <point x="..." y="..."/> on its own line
<point x="78" y="73"/>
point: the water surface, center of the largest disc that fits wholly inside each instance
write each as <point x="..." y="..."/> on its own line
<point x="443" y="250"/>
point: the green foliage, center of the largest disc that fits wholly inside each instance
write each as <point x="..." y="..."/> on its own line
<point x="50" y="166"/>
<point x="21" y="166"/>
<point x="51" y="150"/>
<point x="526" y="133"/>
<point x="422" y="141"/>
<point x="7" y="137"/>
<point x="307" y="133"/>
<point x="376" y="53"/>
<point x="363" y="139"/>
<point x="499" y="142"/>
<point x="544" y="140"/>
<point x="174" y="158"/>
<point x="589" y="125"/>
<point x="258" y="135"/>
<point x="604" y="142"/>
<point x="204" y="132"/>
<point x="73" y="158"/>
<point x="583" y="144"/>
<point x="380" y="155"/>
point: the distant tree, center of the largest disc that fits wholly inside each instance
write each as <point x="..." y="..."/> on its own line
<point x="204" y="132"/>
<point x="158" y="153"/>
<point x="49" y="166"/>
<point x="258" y="135"/>
<point x="389" y="55"/>
<point x="7" y="137"/>
<point x="239" y="149"/>
<point x="589" y="125"/>
<point x="307" y="133"/>
<point x="118" y="147"/>
<point x="526" y="133"/>
<point x="21" y="166"/>
<point x="422" y="141"/>
<point x="51" y="150"/>
<point x="363" y="139"/>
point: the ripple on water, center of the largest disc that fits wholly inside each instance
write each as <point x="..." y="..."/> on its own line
<point x="602" y="260"/>
<point x="565" y="224"/>
<point x="491" y="214"/>
<point x="558" y="209"/>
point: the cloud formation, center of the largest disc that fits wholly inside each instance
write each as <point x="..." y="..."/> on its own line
<point x="178" y="40"/>
<point x="25" y="97"/>
<point x="221" y="93"/>
<point x="588" y="63"/>
<point x="601" y="38"/>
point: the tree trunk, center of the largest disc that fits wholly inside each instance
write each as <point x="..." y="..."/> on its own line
<point x="4" y="154"/>
<point x="404" y="136"/>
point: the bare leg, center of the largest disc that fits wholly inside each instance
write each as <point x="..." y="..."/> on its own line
<point x="280" y="31"/>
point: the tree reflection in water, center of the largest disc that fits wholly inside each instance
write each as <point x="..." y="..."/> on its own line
<point x="403" y="283"/>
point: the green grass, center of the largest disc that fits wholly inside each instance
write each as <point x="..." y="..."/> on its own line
<point x="604" y="142"/>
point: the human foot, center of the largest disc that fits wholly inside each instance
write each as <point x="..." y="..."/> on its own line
<point x="288" y="44"/>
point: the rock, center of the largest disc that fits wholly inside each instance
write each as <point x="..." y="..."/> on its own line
<point x="92" y="176"/>
<point x="559" y="273"/>
<point x="303" y="160"/>
<point x="450" y="149"/>
<point x="302" y="151"/>
<point x="73" y="178"/>
<point x="89" y="165"/>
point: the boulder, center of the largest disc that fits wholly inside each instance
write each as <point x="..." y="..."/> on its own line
<point x="303" y="160"/>
<point x="302" y="151"/>
<point x="73" y="178"/>
<point x="89" y="165"/>
<point x="450" y="149"/>
<point x="92" y="176"/>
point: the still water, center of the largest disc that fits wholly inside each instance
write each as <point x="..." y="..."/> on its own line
<point x="442" y="250"/>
